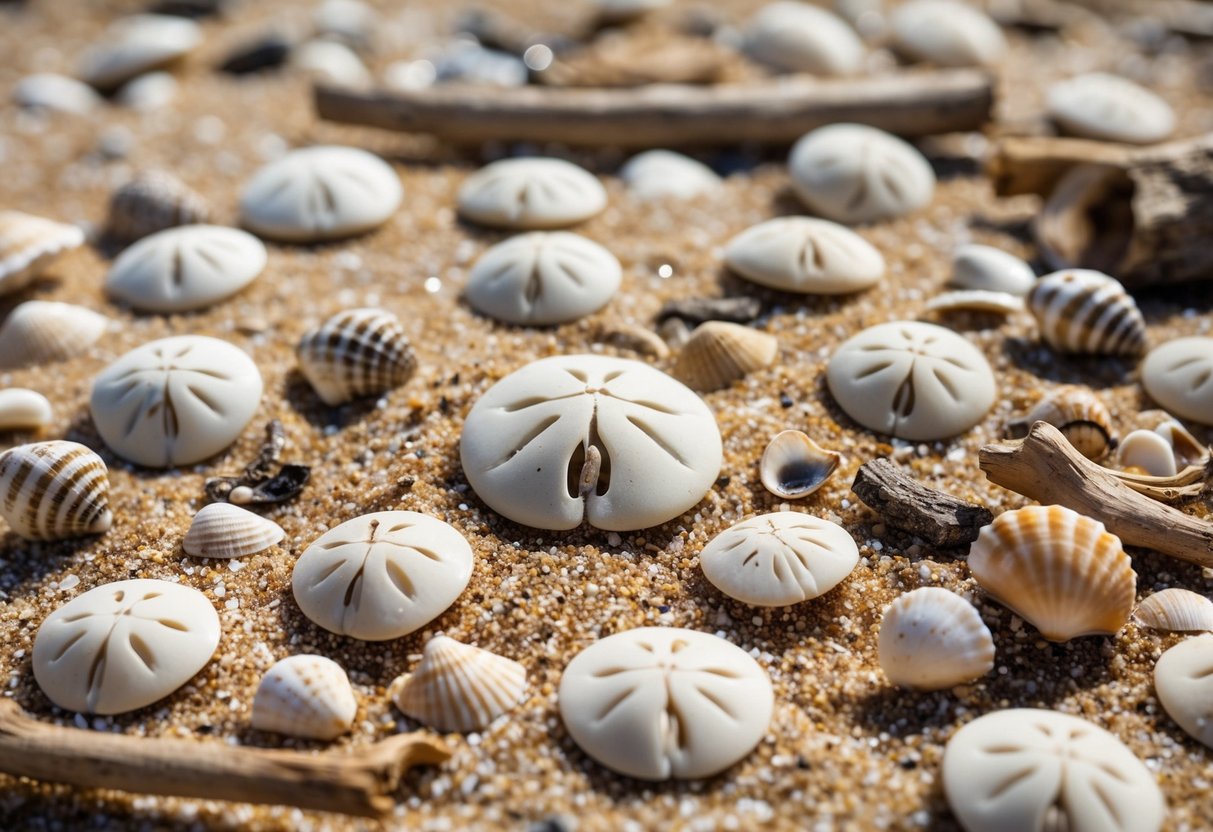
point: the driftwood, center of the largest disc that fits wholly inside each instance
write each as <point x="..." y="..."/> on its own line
<point x="360" y="783"/>
<point x="664" y="115"/>
<point x="1046" y="468"/>
<point x="907" y="504"/>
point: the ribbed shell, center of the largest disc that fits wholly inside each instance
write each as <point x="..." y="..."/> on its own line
<point x="718" y="353"/>
<point x="932" y="639"/>
<point x="1079" y="414"/>
<point x="1085" y="311"/>
<point x="305" y="696"/>
<point x="22" y="409"/>
<point x="222" y="530"/>
<point x="153" y="201"/>
<point x="359" y="352"/>
<point x="1061" y="571"/>
<point x="1175" y="610"/>
<point x="458" y="687"/>
<point x="54" y="490"/>
<point x="794" y="466"/>
<point x="42" y="332"/>
<point x="28" y="244"/>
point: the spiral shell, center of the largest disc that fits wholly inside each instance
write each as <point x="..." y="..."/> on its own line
<point x="1079" y="414"/>
<point x="54" y="490"/>
<point x="932" y="639"/>
<point x="28" y="244"/>
<point x="222" y="530"/>
<point x="1085" y="311"/>
<point x="305" y="696"/>
<point x="43" y="332"/>
<point x="458" y="687"/>
<point x="719" y="353"/>
<point x="1175" y="610"/>
<point x="153" y="201"/>
<point x="359" y="352"/>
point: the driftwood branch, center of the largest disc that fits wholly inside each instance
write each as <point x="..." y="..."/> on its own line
<point x="361" y="783"/>
<point x="1034" y="165"/>
<point x="907" y="504"/>
<point x="1046" y="468"/>
<point x="664" y="115"/>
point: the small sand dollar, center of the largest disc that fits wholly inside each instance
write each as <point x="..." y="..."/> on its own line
<point x="1030" y="770"/>
<point x="1183" y="679"/>
<point x="1179" y="376"/>
<point x="662" y="702"/>
<point x="798" y="37"/>
<point x="947" y="33"/>
<point x="801" y="254"/>
<point x="1111" y="108"/>
<point x="532" y="193"/>
<point x="609" y="440"/>
<point x="778" y="559"/>
<point x="545" y="277"/>
<point x="655" y="174"/>
<point x="124" y="645"/>
<point x="382" y="575"/>
<point x="912" y="380"/>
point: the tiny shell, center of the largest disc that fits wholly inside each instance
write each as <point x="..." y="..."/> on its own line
<point x="459" y="687"/>
<point x="1148" y="451"/>
<point x="22" y="409"/>
<point x="29" y="244"/>
<point x="992" y="270"/>
<point x="133" y="45"/>
<point x="148" y="93"/>
<point x="932" y="639"/>
<point x="1175" y="611"/>
<point x="54" y="490"/>
<point x="305" y="696"/>
<point x="976" y="300"/>
<point x="803" y="254"/>
<point x="1079" y="414"/>
<point x="153" y="201"/>
<point x="1183" y="679"/>
<point x="656" y="174"/>
<point x="222" y="530"/>
<point x="719" y="353"/>
<point x="359" y="352"/>
<point x="531" y="193"/>
<point x="946" y="33"/>
<point x="794" y="466"/>
<point x="797" y="37"/>
<point x="1108" y="107"/>
<point x="42" y="332"/>
<point x="330" y="62"/>
<point x="47" y="91"/>
<point x="1087" y="312"/>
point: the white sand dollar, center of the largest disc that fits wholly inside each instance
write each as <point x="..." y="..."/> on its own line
<point x="532" y="193"/>
<point x="778" y="559"/>
<point x="988" y="269"/>
<point x="946" y="33"/>
<point x="186" y="268"/>
<point x="320" y="193"/>
<point x="175" y="401"/>
<point x="545" y="277"/>
<point x="382" y="575"/>
<point x="1025" y="769"/>
<point x="1183" y="678"/>
<point x="912" y="380"/>
<point x="655" y="174"/>
<point x="611" y="440"/>
<point x="136" y="44"/>
<point x="124" y="645"/>
<point x="1179" y="376"/>
<point x="802" y="254"/>
<point x="1102" y="106"/>
<point x="662" y="702"/>
<point x="797" y="37"/>
<point x="853" y="173"/>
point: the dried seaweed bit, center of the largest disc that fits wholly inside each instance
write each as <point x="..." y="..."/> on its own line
<point x="219" y="488"/>
<point x="262" y="468"/>
<point x="738" y="310"/>
<point x="285" y="486"/>
<point x="258" y="483"/>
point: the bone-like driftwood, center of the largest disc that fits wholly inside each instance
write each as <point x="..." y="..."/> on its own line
<point x="663" y="115"/>
<point x="1046" y="468"/>
<point x="905" y="503"/>
<point x="360" y="783"/>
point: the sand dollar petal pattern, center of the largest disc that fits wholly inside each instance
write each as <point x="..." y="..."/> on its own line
<point x="1179" y="376"/>
<point x="1183" y="678"/>
<point x="382" y="575"/>
<point x="802" y="254"/>
<point x="531" y="193"/>
<point x="662" y="702"/>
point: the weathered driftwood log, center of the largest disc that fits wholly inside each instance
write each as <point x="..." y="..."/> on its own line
<point x="907" y="504"/>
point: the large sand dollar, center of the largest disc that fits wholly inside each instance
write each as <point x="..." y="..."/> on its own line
<point x="1179" y="376"/>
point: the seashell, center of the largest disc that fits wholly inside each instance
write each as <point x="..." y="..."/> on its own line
<point x="633" y="337"/>
<point x="1087" y="312"/>
<point x="153" y="201"/>
<point x="59" y="93"/>
<point x="330" y="62"/>
<point x="458" y="687"/>
<point x="976" y="300"/>
<point x="1062" y="572"/>
<point x="355" y="353"/>
<point x="54" y="490"/>
<point x="1147" y="451"/>
<point x="657" y="174"/>
<point x="620" y="11"/>
<point x="469" y="63"/>
<point x="1179" y="376"/>
<point x="222" y="530"/>
<point x="1183" y="680"/>
<point x="42" y="332"/>
<point x="797" y="37"/>
<point x="134" y="45"/>
<point x="1187" y="449"/>
<point x="1175" y="611"/>
<point x="148" y="93"/>
<point x="946" y="33"/>
<point x="991" y="269"/>
<point x="22" y="409"/>
<point x="932" y="639"/>
<point x="531" y="194"/>
<point x="794" y="466"/>
<point x="802" y="254"/>
<point x="719" y="353"/>
<point x="350" y="21"/>
<point x="305" y="696"/>
<point x="29" y="244"/>
<point x="417" y="74"/>
<point x="1079" y="414"/>
<point x="1111" y="108"/>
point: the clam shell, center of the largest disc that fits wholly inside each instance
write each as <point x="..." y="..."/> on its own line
<point x="1062" y="572"/>
<point x="359" y="352"/>
<point x="1175" y="610"/>
<point x="28" y="244"/>
<point x="42" y="332"/>
<point x="133" y="45"/>
<point x="222" y="530"/>
<point x="797" y="37"/>
<point x="153" y="201"/>
<point x="991" y="269"/>
<point x="459" y="687"/>
<point x="794" y="466"/>
<point x="1079" y="414"/>
<point x="718" y="353"/>
<point x="1085" y="311"/>
<point x="305" y="696"/>
<point x="932" y="639"/>
<point x="54" y="490"/>
<point x="976" y="300"/>
<point x="1148" y="451"/>
<point x="22" y="409"/>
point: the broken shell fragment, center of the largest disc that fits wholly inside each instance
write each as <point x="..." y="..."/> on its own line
<point x="40" y="332"/>
<point x="29" y="244"/>
<point x="794" y="466"/>
<point x="976" y="300"/>
<point x="1079" y="414"/>
<point x="54" y="490"/>
<point x="222" y="530"/>
<point x="459" y="687"/>
<point x="932" y="639"/>
<point x="1147" y="451"/>
<point x="1086" y="312"/>
<point x="22" y="409"/>
<point x="305" y="696"/>
<point x="355" y="353"/>
<point x="719" y="353"/>
<point x="1175" y="610"/>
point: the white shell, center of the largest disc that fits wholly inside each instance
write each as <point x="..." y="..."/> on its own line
<point x="1109" y="107"/>
<point x="662" y="702"/>
<point x="320" y="193"/>
<point x="778" y="559"/>
<point x="357" y="352"/>
<point x="133" y="45"/>
<point x="991" y="269"/>
<point x="458" y="687"/>
<point x="946" y="33"/>
<point x="54" y="490"/>
<point x="22" y="409"/>
<point x="853" y="173"/>
<point x="175" y="401"/>
<point x="656" y="174"/>
<point x="48" y="91"/>
<point x="29" y="244"/>
<point x="350" y="20"/>
<point x="1179" y="376"/>
<point x="719" y="353"/>
<point x="976" y="300"/>
<point x="382" y="575"/>
<point x="222" y="530"/>
<point x="793" y="466"/>
<point x="153" y="201"/>
<point x="1175" y="610"/>
<point x="1187" y="449"/>
<point x="148" y="93"/>
<point x="124" y="645"/>
<point x="40" y="332"/>
<point x="1086" y="312"/>
<point x="1183" y="679"/>
<point x="932" y="639"/>
<point x="797" y="37"/>
<point x="545" y="277"/>
<point x="330" y="62"/>
<point x="801" y="254"/>
<point x="912" y="380"/>
<point x="305" y="696"/>
<point x="1030" y="770"/>
<point x="531" y="193"/>
<point x="186" y="268"/>
<point x="1148" y="451"/>
<point x="529" y="445"/>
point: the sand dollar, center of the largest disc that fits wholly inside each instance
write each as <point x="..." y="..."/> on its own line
<point x="655" y="174"/>
<point x="797" y="37"/>
<point x="1108" y="107"/>
<point x="946" y="33"/>
<point x="1183" y="679"/>
<point x="801" y="254"/>
<point x="531" y="193"/>
<point x="1179" y="376"/>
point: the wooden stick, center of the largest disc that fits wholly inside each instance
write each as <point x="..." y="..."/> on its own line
<point x="1046" y="468"/>
<point x="905" y="503"/>
<point x="1034" y="165"/>
<point x="662" y="115"/>
<point x="360" y="783"/>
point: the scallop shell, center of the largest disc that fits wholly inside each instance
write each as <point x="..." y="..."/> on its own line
<point x="222" y="530"/>
<point x="932" y="639"/>
<point x="718" y="353"/>
<point x="54" y="490"/>
<point x="1061" y="571"/>
<point x="153" y="201"/>
<point x="42" y="332"/>
<point x="794" y="466"/>
<point x="1147" y="451"/>
<point x="1079" y="414"/>
<point x="976" y="300"/>
<point x="1175" y="610"/>
<point x="458" y="687"/>
<point x="22" y="409"/>
<point x="28" y="244"/>
<point x="305" y="696"/>
<point x="359" y="352"/>
<point x="1085" y="311"/>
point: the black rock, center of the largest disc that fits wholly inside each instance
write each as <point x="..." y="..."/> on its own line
<point x="267" y="52"/>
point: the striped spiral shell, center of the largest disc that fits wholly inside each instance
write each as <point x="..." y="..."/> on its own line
<point x="1085" y="311"/>
<point x="153" y="201"/>
<point x="305" y="696"/>
<point x="458" y="687"/>
<point x="28" y="244"/>
<point x="1079" y="414"/>
<point x="359" y="352"/>
<point x="222" y="530"/>
<point x="54" y="490"/>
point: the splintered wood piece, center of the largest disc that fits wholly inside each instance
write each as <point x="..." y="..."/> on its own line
<point x="907" y="504"/>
